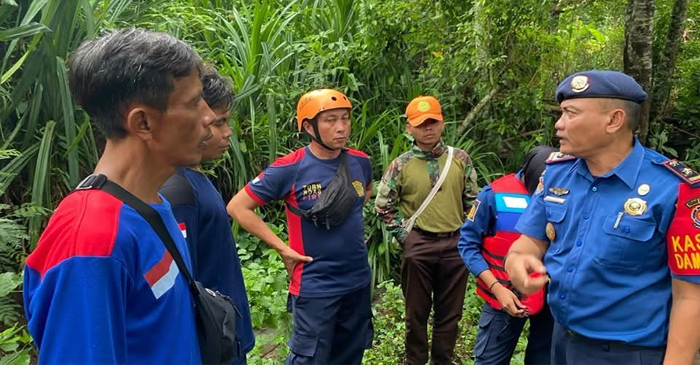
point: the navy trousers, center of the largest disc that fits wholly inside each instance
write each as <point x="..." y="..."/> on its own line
<point x="572" y="349"/>
<point x="499" y="332"/>
<point x="330" y="330"/>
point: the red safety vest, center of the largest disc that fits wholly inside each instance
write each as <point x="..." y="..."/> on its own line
<point x="683" y="236"/>
<point x="511" y="200"/>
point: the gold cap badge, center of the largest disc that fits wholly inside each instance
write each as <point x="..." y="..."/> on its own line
<point x="635" y="206"/>
<point x="579" y="83"/>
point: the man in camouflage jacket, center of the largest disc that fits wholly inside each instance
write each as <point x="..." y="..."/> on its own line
<point x="432" y="268"/>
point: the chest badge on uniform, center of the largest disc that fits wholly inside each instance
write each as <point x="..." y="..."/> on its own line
<point x="643" y="189"/>
<point x="694" y="206"/>
<point x="695" y="216"/>
<point x="635" y="206"/>
<point x="559" y="191"/>
<point x="359" y="188"/>
<point x="550" y="231"/>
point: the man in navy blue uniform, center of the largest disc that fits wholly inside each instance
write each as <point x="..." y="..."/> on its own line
<point x="599" y="220"/>
<point x="485" y="238"/>
<point x="324" y="186"/>
<point x="201" y="214"/>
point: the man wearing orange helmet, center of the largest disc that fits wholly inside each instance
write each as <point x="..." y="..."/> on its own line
<point x="324" y="186"/>
<point x="423" y="198"/>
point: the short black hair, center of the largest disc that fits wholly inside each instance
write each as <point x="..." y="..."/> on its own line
<point x="216" y="89"/>
<point x="117" y="68"/>
<point x="534" y="165"/>
<point x="633" y="111"/>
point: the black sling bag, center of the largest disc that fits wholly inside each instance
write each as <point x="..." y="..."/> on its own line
<point x="215" y="313"/>
<point x="336" y="201"/>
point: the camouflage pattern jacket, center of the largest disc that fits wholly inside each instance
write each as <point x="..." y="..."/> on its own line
<point x="408" y="181"/>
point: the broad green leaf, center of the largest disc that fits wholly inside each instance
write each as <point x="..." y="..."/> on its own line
<point x="23" y="31"/>
<point x="9" y="281"/>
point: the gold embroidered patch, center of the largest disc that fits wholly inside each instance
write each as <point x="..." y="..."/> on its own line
<point x="473" y="210"/>
<point x="359" y="188"/>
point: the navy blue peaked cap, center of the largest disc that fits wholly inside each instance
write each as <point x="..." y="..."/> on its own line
<point x="600" y="84"/>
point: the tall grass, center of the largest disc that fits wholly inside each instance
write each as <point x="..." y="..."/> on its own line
<point x="381" y="53"/>
<point x="38" y="114"/>
<point x="272" y="50"/>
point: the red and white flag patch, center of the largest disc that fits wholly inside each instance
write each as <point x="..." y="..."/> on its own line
<point x="183" y="229"/>
<point x="161" y="277"/>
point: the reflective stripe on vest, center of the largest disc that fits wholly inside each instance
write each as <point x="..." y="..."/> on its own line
<point x="511" y="201"/>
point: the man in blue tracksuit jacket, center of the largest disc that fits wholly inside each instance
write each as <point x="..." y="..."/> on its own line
<point x="101" y="287"/>
<point x="201" y="213"/>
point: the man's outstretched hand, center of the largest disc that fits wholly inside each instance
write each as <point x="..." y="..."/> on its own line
<point x="527" y="273"/>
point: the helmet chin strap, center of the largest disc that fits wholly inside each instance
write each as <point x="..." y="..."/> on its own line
<point x="318" y="140"/>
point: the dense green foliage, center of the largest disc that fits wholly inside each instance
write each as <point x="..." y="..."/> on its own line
<point x="493" y="64"/>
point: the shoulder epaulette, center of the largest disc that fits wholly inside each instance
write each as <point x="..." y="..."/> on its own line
<point x="555" y="157"/>
<point x="686" y="174"/>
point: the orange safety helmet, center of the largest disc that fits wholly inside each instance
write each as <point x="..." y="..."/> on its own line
<point x="316" y="101"/>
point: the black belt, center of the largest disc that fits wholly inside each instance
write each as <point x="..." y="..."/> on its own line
<point x="437" y="234"/>
<point x="610" y="344"/>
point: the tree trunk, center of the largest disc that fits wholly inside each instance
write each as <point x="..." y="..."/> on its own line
<point x="667" y="62"/>
<point x="483" y="40"/>
<point x="638" y="55"/>
<point x="476" y="110"/>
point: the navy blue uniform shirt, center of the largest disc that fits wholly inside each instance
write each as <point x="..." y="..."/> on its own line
<point x="339" y="263"/>
<point x="201" y="214"/>
<point x="608" y="262"/>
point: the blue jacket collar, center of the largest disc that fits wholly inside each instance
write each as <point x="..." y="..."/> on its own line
<point x="627" y="171"/>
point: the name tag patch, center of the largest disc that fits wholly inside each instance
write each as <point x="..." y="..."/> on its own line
<point x="515" y="202"/>
<point x="554" y="199"/>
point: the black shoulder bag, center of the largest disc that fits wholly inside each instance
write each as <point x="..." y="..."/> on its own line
<point x="215" y="312"/>
<point x="336" y="201"/>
